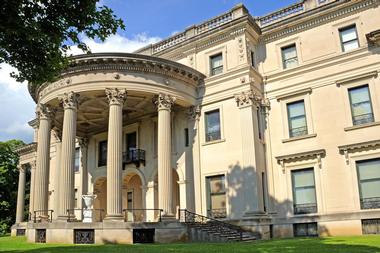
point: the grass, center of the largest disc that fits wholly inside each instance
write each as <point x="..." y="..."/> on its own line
<point x="358" y="244"/>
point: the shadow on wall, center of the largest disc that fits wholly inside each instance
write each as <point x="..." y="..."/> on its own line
<point x="243" y="196"/>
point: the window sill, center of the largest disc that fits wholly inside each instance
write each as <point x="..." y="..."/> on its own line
<point x="299" y="138"/>
<point x="376" y="123"/>
<point x="213" y="142"/>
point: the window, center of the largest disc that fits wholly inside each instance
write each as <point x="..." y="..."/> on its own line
<point x="216" y="196"/>
<point x="289" y="56"/>
<point x="253" y="59"/>
<point x="371" y="227"/>
<point x="361" y="107"/>
<point x="297" y="118"/>
<point x="369" y="183"/>
<point x="216" y="64"/>
<point x="186" y="137"/>
<point x="213" y="125"/>
<point x="304" y="198"/>
<point x="75" y="198"/>
<point x="77" y="161"/>
<point x="349" y="38"/>
<point x="102" y="155"/>
<point x="305" y="229"/>
<point x="131" y="140"/>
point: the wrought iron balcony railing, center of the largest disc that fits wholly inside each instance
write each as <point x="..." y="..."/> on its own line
<point x="362" y="119"/>
<point x="136" y="156"/>
<point x="305" y="208"/>
<point x="370" y="203"/>
<point x="142" y="215"/>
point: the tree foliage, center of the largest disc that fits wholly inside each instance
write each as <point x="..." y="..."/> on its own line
<point x="8" y="183"/>
<point x="35" y="35"/>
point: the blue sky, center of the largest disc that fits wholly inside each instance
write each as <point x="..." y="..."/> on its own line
<point x="147" y="21"/>
<point x="163" y="17"/>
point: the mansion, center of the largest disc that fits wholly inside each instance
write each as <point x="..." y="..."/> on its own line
<point x="237" y="128"/>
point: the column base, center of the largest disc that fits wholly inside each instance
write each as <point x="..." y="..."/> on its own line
<point x="114" y="217"/>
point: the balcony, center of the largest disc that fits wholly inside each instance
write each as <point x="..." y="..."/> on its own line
<point x="305" y="208"/>
<point x="134" y="156"/>
<point x="370" y="203"/>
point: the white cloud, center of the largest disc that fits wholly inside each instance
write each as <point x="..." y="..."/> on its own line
<point x="117" y="43"/>
<point x="17" y="106"/>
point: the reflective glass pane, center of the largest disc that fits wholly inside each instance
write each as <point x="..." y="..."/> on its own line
<point x="348" y="34"/>
<point x="296" y="109"/>
<point x="217" y="184"/>
<point x="216" y="61"/>
<point x="303" y="178"/>
<point x="370" y="189"/>
<point x="359" y="94"/>
<point x="218" y="201"/>
<point x="347" y="46"/>
<point x="369" y="169"/>
<point x="304" y="196"/>
<point x="289" y="52"/>
<point x="212" y="125"/>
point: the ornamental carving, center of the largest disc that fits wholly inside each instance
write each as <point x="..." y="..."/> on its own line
<point x="116" y="96"/>
<point x="164" y="101"/>
<point x="194" y="112"/>
<point x="248" y="98"/>
<point x="83" y="143"/>
<point x="44" y="112"/>
<point x="69" y="100"/>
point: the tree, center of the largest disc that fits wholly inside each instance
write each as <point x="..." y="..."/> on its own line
<point x="35" y="35"/>
<point x="8" y="183"/>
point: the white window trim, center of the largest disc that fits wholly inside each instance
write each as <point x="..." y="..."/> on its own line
<point x="203" y="125"/>
<point x="368" y="79"/>
<point x="209" y="54"/>
<point x="284" y="100"/>
<point x="353" y="158"/>
<point x="279" y="46"/>
<point x="319" y="189"/>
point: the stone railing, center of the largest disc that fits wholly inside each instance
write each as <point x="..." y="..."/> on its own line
<point x="195" y="30"/>
<point x="281" y="14"/>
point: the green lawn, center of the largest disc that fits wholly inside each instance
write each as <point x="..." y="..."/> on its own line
<point x="315" y="245"/>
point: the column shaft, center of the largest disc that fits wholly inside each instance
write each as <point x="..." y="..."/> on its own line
<point x="20" y="196"/>
<point x="32" y="179"/>
<point x="114" y="154"/>
<point x="66" y="185"/>
<point x="41" y="182"/>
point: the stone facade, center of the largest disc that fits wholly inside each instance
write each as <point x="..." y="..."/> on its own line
<point x="218" y="120"/>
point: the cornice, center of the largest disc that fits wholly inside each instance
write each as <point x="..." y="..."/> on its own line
<point x="314" y="17"/>
<point x="356" y="147"/>
<point x="318" y="154"/>
<point x="120" y="62"/>
<point x="26" y="149"/>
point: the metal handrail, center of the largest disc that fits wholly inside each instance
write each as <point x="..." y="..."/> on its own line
<point x="45" y="213"/>
<point x="193" y="218"/>
<point x="142" y="209"/>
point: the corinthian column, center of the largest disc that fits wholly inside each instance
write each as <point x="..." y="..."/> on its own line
<point x="20" y="195"/>
<point x="116" y="99"/>
<point x="164" y="103"/>
<point x="69" y="102"/>
<point x="41" y="181"/>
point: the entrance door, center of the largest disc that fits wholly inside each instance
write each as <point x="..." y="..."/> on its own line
<point x="131" y="145"/>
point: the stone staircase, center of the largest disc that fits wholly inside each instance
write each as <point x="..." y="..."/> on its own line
<point x="206" y="229"/>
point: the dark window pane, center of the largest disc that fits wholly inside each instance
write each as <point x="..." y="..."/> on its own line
<point x="213" y="125"/>
<point x="102" y="156"/>
<point x="216" y="64"/>
<point x="186" y="137"/>
<point x="305" y="229"/>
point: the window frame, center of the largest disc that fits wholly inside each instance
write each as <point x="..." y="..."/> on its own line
<point x="206" y="113"/>
<point x="211" y="68"/>
<point x="351" y="107"/>
<point x="294" y="190"/>
<point x="283" y="60"/>
<point x="341" y="29"/>
<point x="209" y="194"/>
<point x="357" y="162"/>
<point x="100" y="162"/>
<point x="307" y="225"/>
<point x="290" y="132"/>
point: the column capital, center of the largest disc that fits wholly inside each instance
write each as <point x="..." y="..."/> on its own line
<point x="44" y="112"/>
<point x="33" y="165"/>
<point x="164" y="101"/>
<point x="21" y="167"/>
<point x="248" y="98"/>
<point x="69" y="100"/>
<point x="194" y="112"/>
<point x="116" y="96"/>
